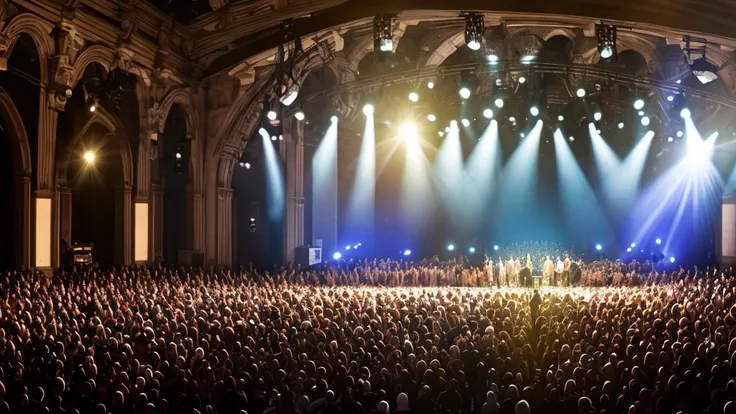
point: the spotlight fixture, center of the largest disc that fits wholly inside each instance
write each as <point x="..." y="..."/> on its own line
<point x="522" y="79"/>
<point x="606" y="40"/>
<point x="337" y="256"/>
<point x="383" y="37"/>
<point x="638" y="104"/>
<point x="299" y="115"/>
<point x="498" y="102"/>
<point x="628" y="250"/>
<point x="645" y="120"/>
<point x="246" y="165"/>
<point x="407" y="252"/>
<point x="527" y="58"/>
<point x="680" y="134"/>
<point x="289" y="97"/>
<point x="560" y="118"/>
<point x="658" y="241"/>
<point x="580" y="92"/>
<point x="488" y="113"/>
<point x="633" y="244"/>
<point x="598" y="247"/>
<point x="670" y="98"/>
<point x="333" y="118"/>
<point x="431" y="118"/>
<point x="441" y="133"/>
<point x="705" y="71"/>
<point x="430" y="85"/>
<point x="597" y="116"/>
<point x="495" y="247"/>
<point x="534" y="111"/>
<point x="414" y="97"/>
<point x="492" y="58"/>
<point x="685" y="113"/>
<point x="465" y="92"/>
<point x="672" y="259"/>
<point x="93" y="107"/>
<point x="471" y="250"/>
<point x="522" y="135"/>
<point x="641" y="113"/>
<point x="465" y="123"/>
<point x="89" y="157"/>
<point x="474" y="28"/>
<point x="450" y="247"/>
<point x="670" y="139"/>
<point x="572" y="138"/>
<point x="273" y="138"/>
<point x="271" y="114"/>
<point x="368" y="109"/>
<point x="620" y="125"/>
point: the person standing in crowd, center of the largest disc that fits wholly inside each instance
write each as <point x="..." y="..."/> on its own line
<point x="549" y="270"/>
<point x="566" y="273"/>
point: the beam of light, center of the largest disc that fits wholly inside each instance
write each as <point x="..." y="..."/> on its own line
<point x="360" y="212"/>
<point x="324" y="189"/>
<point x="581" y="208"/>
<point x="89" y="157"/>
<point x="275" y="185"/>
<point x="448" y="174"/>
<point x="518" y="206"/>
<point x="482" y="170"/>
<point x="620" y="179"/>
<point x="416" y="191"/>
<point x="681" y="202"/>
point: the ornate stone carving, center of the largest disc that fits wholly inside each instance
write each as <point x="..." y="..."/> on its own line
<point x="245" y="73"/>
<point x="68" y="45"/>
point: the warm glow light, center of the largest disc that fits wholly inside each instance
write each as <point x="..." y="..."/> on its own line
<point x="430" y="85"/>
<point x="560" y="118"/>
<point x="431" y="118"/>
<point x="414" y="97"/>
<point x="368" y="109"/>
<point x="89" y="157"/>
<point x="464" y="92"/>
<point x="580" y="92"/>
<point x="408" y="131"/>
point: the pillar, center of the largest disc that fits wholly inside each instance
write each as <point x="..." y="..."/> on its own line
<point x="123" y="225"/>
<point x="198" y="225"/>
<point x="65" y="214"/>
<point x="156" y="224"/>
<point x="23" y="221"/>
<point x="293" y="155"/>
<point x="43" y="211"/>
<point x="141" y="232"/>
<point x="224" y="226"/>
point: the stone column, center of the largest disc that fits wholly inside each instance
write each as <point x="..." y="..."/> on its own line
<point x="23" y="221"/>
<point x="65" y="214"/>
<point x="123" y="225"/>
<point x="44" y="228"/>
<point x="224" y="226"/>
<point x="156" y="221"/>
<point x="198" y="225"/>
<point x="293" y="155"/>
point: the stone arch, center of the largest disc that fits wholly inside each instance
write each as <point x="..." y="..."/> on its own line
<point x="361" y="49"/>
<point x="93" y="54"/>
<point x="639" y="44"/>
<point x="19" y="146"/>
<point x="40" y="31"/>
<point x="446" y="48"/>
<point x="184" y="99"/>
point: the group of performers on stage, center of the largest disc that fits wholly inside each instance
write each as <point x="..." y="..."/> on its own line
<point x="512" y="273"/>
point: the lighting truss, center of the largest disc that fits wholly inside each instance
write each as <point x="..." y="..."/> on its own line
<point x="474" y="29"/>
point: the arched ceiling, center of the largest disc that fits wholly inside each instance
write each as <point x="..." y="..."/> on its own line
<point x="246" y="28"/>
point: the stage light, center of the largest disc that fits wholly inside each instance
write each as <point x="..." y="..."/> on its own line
<point x="431" y="118"/>
<point x="628" y="250"/>
<point x="522" y="135"/>
<point x="499" y="103"/>
<point x="337" y="256"/>
<point x="430" y="85"/>
<point x="598" y="247"/>
<point x="495" y="247"/>
<point x="441" y="133"/>
<point x="572" y="138"/>
<point x="450" y="247"/>
<point x="488" y="113"/>
<point x="598" y="131"/>
<point x="580" y="92"/>
<point x="447" y="129"/>
<point x="512" y="119"/>
<point x="705" y="71"/>
<point x="670" y="139"/>
<point x="534" y="111"/>
<point x="670" y="98"/>
<point x="672" y="259"/>
<point x="290" y="96"/>
<point x="89" y="157"/>
<point x="685" y="113"/>
<point x="383" y="34"/>
<point x="620" y="125"/>
<point x="680" y="134"/>
<point x="263" y="131"/>
<point x="246" y="165"/>
<point x="274" y="138"/>
<point x="356" y="247"/>
<point x="493" y="58"/>
<point x="465" y="123"/>
<point x="333" y="118"/>
<point x="658" y="241"/>
<point x="606" y="40"/>
<point x="474" y="28"/>
<point x="347" y="247"/>
<point x="560" y="118"/>
<point x="638" y="104"/>
<point x="271" y="115"/>
<point x="407" y="252"/>
<point x="633" y="244"/>
<point x="299" y="115"/>
<point x="471" y="250"/>
<point x="92" y="107"/>
<point x="408" y="131"/>
<point x="368" y="109"/>
<point x="597" y="116"/>
<point x="645" y="121"/>
<point x="414" y="97"/>
<point x="527" y="59"/>
<point x="522" y="79"/>
<point x="252" y="219"/>
<point x="360" y="244"/>
<point x="465" y="92"/>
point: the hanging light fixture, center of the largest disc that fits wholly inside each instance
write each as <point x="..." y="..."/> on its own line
<point x="606" y="40"/>
<point x="474" y="29"/>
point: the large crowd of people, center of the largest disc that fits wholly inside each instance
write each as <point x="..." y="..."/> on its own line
<point x="366" y="338"/>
